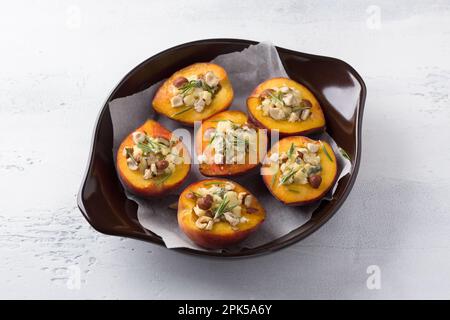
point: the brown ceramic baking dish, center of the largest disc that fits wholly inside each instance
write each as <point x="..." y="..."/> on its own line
<point x="339" y="88"/>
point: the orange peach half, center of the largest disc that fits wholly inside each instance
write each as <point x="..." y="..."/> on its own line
<point x="299" y="194"/>
<point x="134" y="180"/>
<point x="221" y="101"/>
<point x="222" y="235"/>
<point x="315" y="122"/>
<point x="220" y="170"/>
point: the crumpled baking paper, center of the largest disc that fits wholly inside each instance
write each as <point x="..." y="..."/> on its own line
<point x="246" y="69"/>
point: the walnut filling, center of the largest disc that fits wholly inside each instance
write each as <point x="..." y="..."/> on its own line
<point x="220" y="203"/>
<point x="230" y="143"/>
<point x="195" y="92"/>
<point x="153" y="157"/>
<point x="284" y="103"/>
<point x="299" y="165"/>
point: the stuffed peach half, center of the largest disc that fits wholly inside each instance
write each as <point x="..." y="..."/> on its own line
<point x="298" y="170"/>
<point x="194" y="93"/>
<point x="227" y="145"/>
<point x="151" y="161"/>
<point x="287" y="106"/>
<point x="218" y="213"/>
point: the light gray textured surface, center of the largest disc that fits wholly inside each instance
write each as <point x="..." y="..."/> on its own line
<point x="61" y="58"/>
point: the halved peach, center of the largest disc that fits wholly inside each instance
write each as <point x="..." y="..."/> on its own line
<point x="221" y="100"/>
<point x="314" y="123"/>
<point x="222" y="234"/>
<point x="134" y="180"/>
<point x="299" y="194"/>
<point x="221" y="170"/>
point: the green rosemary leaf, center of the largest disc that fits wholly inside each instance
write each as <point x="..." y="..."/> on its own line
<point x="299" y="108"/>
<point x="129" y="151"/>
<point x="221" y="208"/>
<point x="207" y="88"/>
<point x="184" y="89"/>
<point x="291" y="150"/>
<point x="227" y="209"/>
<point x="344" y="154"/>
<point x="130" y="155"/>
<point x="189" y="86"/>
<point x="198" y="195"/>
<point x="276" y="98"/>
<point x="146" y="148"/>
<point x="280" y="96"/>
<point x="163" y="178"/>
<point x="180" y="112"/>
<point x="326" y="152"/>
<point x="210" y="183"/>
<point x="293" y="190"/>
<point x="212" y="139"/>
<point x="274" y="177"/>
<point x="287" y="177"/>
<point x="153" y="144"/>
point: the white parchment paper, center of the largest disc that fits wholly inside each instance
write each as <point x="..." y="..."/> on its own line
<point x="246" y="69"/>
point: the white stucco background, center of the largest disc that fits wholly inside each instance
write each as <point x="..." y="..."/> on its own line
<point x="60" y="59"/>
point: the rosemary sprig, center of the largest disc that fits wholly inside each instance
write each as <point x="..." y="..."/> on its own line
<point x="287" y="177"/>
<point x="276" y="98"/>
<point x="291" y="150"/>
<point x="210" y="183"/>
<point x="198" y="195"/>
<point x="146" y="148"/>
<point x="190" y="85"/>
<point x="221" y="208"/>
<point x="130" y="155"/>
<point x="299" y="108"/>
<point x="182" y="111"/>
<point x="151" y="146"/>
<point x="206" y="87"/>
<point x="326" y="152"/>
<point x="220" y="120"/>
<point x="293" y="190"/>
<point x="212" y="139"/>
<point x="274" y="177"/>
<point x="156" y="145"/>
<point x="280" y="96"/>
<point x="163" y="178"/>
<point x="344" y="154"/>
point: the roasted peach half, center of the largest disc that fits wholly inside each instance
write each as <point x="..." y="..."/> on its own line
<point x="218" y="213"/>
<point x="151" y="161"/>
<point x="287" y="106"/>
<point x="227" y="145"/>
<point x="194" y="93"/>
<point x="298" y="170"/>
